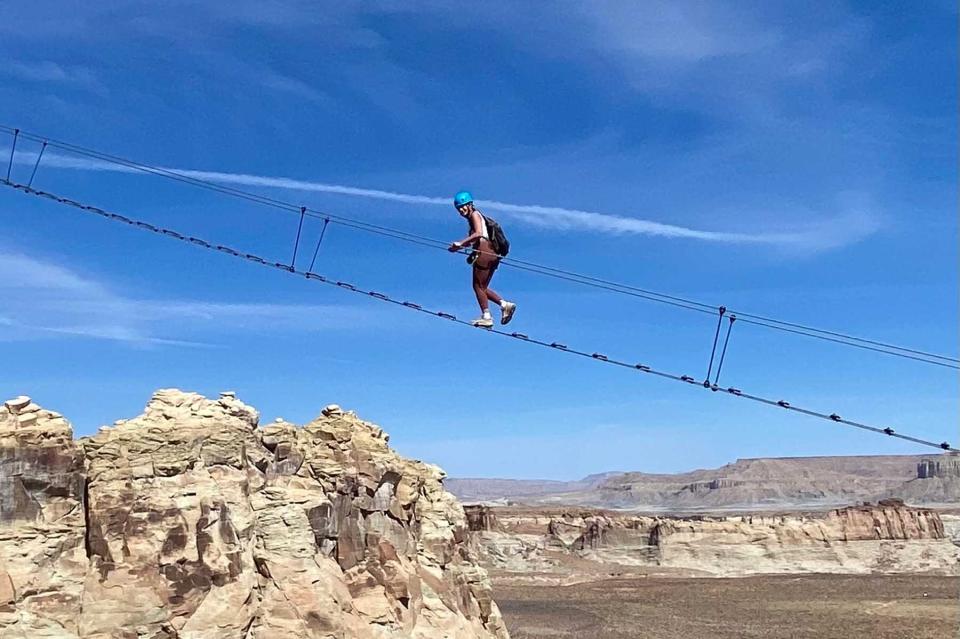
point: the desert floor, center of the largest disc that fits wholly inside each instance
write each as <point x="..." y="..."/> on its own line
<point x="794" y="607"/>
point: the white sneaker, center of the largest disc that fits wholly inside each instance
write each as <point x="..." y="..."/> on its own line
<point x="507" y="312"/>
<point x="483" y="322"/>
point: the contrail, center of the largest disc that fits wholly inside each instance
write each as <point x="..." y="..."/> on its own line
<point x="533" y="214"/>
<point x="530" y="213"/>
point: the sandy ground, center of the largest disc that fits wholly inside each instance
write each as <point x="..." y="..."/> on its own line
<point x="773" y="607"/>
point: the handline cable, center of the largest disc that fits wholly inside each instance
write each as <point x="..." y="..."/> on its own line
<point x="557" y="273"/>
<point x="377" y="229"/>
<point x="443" y="315"/>
<point x="860" y="346"/>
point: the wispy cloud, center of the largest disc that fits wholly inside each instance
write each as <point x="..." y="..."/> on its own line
<point x="46" y="71"/>
<point x="673" y="31"/>
<point x="110" y="333"/>
<point x="839" y="231"/>
<point x="292" y="86"/>
<point x="40" y="299"/>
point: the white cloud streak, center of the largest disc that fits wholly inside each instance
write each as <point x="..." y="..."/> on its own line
<point x="847" y="228"/>
<point x="49" y="72"/>
<point x="65" y="303"/>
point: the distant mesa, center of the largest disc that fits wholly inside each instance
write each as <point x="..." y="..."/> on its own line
<point x="747" y="484"/>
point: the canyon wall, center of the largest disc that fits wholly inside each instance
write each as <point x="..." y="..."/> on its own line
<point x="888" y="537"/>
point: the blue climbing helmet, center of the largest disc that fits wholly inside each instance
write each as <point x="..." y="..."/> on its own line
<point x="461" y="198"/>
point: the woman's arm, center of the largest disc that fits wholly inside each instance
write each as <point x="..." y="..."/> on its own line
<point x="476" y="232"/>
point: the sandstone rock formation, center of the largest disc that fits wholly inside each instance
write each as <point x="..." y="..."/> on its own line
<point x="570" y="544"/>
<point x="937" y="482"/>
<point x="43" y="562"/>
<point x="946" y="466"/>
<point x="191" y="522"/>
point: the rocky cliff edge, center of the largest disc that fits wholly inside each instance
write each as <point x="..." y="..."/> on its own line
<point x="192" y="522"/>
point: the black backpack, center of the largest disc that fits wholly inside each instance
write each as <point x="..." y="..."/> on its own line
<point x="497" y="237"/>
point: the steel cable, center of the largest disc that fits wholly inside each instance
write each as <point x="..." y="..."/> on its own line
<point x="540" y="269"/>
<point x="553" y="345"/>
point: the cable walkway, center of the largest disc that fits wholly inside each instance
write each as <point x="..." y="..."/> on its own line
<point x="552" y="345"/>
<point x="794" y="328"/>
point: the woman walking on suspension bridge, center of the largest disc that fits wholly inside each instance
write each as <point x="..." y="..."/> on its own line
<point x="489" y="245"/>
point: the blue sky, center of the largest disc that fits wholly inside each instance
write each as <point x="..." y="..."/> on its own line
<point x="794" y="163"/>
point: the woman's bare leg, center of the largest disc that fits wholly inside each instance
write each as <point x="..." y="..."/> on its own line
<point x="492" y="295"/>
<point x="483" y="270"/>
<point x="482" y="274"/>
<point x="507" y="309"/>
<point x="480" y="289"/>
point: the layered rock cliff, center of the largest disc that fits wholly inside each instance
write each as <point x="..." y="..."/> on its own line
<point x="888" y="537"/>
<point x="191" y="522"/>
<point x="937" y="481"/>
<point x="43" y="561"/>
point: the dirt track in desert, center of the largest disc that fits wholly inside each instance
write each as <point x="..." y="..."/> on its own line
<point x="770" y="607"/>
